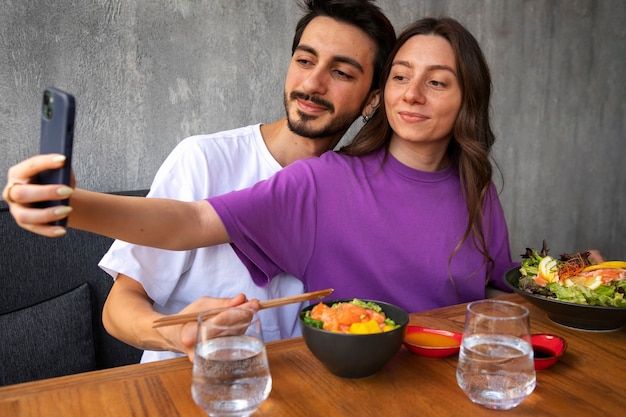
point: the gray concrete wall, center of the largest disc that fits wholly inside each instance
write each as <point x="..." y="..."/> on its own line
<point x="148" y="73"/>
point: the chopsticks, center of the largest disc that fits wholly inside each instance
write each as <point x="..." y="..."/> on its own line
<point x="186" y="318"/>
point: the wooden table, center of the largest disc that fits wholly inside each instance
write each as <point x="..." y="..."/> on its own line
<point x="589" y="380"/>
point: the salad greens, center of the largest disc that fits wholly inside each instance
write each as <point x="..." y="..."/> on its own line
<point x="606" y="294"/>
<point x="306" y="317"/>
<point x="530" y="263"/>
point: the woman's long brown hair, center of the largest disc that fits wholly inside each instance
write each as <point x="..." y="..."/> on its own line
<point x="472" y="137"/>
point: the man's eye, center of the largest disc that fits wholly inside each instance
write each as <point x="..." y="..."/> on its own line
<point x="343" y="75"/>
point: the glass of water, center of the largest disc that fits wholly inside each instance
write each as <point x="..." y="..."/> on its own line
<point x="496" y="367"/>
<point x="231" y="376"/>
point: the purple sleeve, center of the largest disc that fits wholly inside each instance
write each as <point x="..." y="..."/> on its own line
<point x="272" y="224"/>
<point x="497" y="233"/>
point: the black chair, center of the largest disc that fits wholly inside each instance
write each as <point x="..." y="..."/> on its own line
<point x="51" y="297"/>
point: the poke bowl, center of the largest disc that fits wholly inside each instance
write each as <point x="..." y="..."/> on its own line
<point x="578" y="316"/>
<point x="354" y="355"/>
<point x="432" y="343"/>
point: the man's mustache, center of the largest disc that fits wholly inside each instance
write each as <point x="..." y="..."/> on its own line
<point x="314" y="99"/>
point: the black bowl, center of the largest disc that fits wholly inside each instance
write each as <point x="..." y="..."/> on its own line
<point x="355" y="355"/>
<point x="578" y="316"/>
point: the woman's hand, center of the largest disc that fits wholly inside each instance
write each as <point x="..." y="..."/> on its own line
<point x="20" y="193"/>
<point x="156" y="222"/>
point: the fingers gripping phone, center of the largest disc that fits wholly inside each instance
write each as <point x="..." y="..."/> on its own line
<point x="57" y="136"/>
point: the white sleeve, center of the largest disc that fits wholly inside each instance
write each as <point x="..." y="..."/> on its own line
<point x="183" y="176"/>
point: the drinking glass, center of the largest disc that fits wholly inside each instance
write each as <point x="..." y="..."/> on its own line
<point x="496" y="367"/>
<point x="231" y="375"/>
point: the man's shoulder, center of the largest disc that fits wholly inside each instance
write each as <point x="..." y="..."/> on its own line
<point x="243" y="142"/>
<point x="230" y="136"/>
<point x="216" y="163"/>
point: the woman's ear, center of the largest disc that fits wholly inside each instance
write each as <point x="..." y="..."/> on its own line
<point x="372" y="104"/>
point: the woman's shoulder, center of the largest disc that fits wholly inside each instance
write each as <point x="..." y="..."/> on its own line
<point x="334" y="158"/>
<point x="330" y="168"/>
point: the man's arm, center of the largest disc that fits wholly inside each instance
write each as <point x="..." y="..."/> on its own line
<point x="128" y="315"/>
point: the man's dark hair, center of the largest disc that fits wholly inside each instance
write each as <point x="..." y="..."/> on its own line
<point x="363" y="14"/>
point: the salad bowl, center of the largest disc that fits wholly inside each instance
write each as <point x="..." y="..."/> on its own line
<point x="355" y="355"/>
<point x="578" y="316"/>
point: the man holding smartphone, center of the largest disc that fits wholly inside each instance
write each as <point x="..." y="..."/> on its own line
<point x="338" y="53"/>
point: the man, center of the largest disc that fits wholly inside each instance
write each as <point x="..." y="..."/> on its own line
<point x="338" y="52"/>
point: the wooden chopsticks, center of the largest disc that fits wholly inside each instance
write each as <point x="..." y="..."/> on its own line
<point x="186" y="318"/>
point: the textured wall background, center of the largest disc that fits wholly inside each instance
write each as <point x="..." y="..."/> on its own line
<point x="147" y="73"/>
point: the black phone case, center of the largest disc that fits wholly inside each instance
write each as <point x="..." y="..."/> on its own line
<point x="57" y="136"/>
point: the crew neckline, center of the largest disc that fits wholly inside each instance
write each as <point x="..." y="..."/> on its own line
<point x="415" y="174"/>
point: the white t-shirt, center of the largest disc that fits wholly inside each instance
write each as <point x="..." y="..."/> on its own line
<point x="199" y="167"/>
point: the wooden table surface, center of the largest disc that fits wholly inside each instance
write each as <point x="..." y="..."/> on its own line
<point x="589" y="380"/>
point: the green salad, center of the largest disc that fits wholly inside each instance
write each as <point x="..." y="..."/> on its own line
<point x="573" y="278"/>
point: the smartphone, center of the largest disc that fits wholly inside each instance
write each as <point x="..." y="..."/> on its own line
<point x="58" y="111"/>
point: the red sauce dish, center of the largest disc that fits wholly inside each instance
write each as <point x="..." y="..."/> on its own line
<point x="547" y="348"/>
<point x="432" y="343"/>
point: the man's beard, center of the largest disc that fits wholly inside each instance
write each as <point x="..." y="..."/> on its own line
<point x="302" y="126"/>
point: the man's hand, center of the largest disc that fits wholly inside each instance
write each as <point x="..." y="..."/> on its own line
<point x="129" y="315"/>
<point x="188" y="331"/>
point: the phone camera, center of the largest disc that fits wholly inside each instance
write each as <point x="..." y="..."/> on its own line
<point x="48" y="100"/>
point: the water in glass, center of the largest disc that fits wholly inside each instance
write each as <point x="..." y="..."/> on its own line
<point x="231" y="375"/>
<point x="481" y="374"/>
<point x="496" y="365"/>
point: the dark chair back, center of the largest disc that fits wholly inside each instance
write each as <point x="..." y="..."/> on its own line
<point x="51" y="297"/>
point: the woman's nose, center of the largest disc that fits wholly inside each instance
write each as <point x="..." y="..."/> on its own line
<point x="415" y="93"/>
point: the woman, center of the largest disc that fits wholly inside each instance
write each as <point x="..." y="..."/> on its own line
<point x="406" y="214"/>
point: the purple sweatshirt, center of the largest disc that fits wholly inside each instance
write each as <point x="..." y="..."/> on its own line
<point x="368" y="229"/>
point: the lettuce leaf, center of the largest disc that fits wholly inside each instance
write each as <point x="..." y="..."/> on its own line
<point x="611" y="295"/>
<point x="306" y="317"/>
